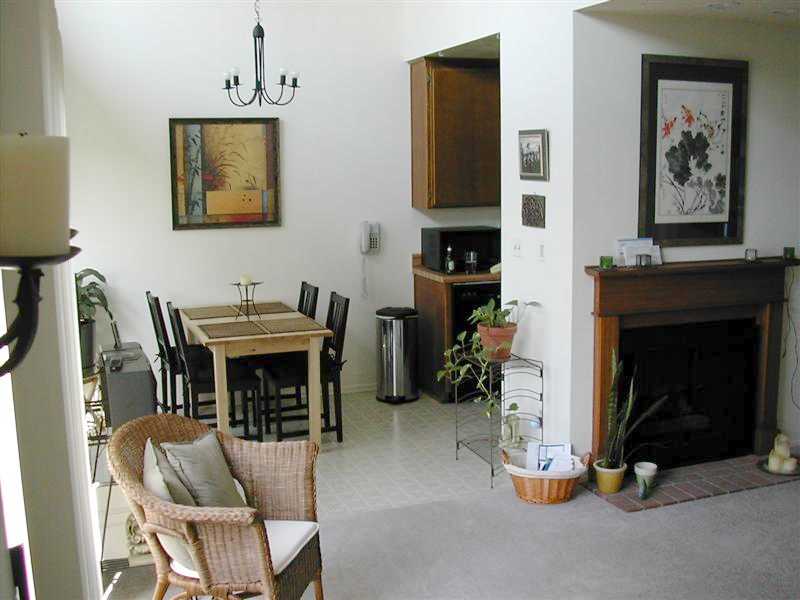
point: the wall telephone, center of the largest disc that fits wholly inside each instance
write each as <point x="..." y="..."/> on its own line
<point x="370" y="237"/>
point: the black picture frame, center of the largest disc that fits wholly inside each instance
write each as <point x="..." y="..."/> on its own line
<point x="678" y="68"/>
<point x="530" y="171"/>
<point x="272" y="176"/>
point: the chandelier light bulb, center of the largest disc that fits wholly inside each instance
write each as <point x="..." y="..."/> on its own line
<point x="235" y="71"/>
<point x="282" y="71"/>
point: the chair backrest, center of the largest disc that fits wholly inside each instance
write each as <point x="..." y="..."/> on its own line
<point x="337" y="323"/>
<point x="165" y="351"/>
<point x="180" y="339"/>
<point x="307" y="304"/>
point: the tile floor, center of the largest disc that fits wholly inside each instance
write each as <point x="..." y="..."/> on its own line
<point x="397" y="455"/>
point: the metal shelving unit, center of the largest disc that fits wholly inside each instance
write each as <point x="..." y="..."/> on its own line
<point x="484" y="435"/>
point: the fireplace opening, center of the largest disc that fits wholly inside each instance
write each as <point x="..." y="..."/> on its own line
<point x="708" y="372"/>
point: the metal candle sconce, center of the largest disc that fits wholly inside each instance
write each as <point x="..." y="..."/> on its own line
<point x="247" y="292"/>
<point x="23" y="330"/>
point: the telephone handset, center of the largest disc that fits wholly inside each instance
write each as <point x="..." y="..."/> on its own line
<point x="370" y="237"/>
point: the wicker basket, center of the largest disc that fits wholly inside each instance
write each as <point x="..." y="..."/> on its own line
<point x="543" y="487"/>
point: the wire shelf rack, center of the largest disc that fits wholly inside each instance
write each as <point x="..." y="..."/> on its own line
<point x="485" y="433"/>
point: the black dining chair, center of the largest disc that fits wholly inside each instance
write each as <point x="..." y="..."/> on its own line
<point x="198" y="369"/>
<point x="292" y="371"/>
<point x="169" y="364"/>
<point x="307" y="304"/>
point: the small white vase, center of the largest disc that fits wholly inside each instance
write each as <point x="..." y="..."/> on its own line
<point x="645" y="477"/>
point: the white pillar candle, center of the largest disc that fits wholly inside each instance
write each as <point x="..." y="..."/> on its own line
<point x="245" y="280"/>
<point x="34" y="195"/>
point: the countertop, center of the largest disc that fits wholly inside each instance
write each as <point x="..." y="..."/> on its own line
<point x="417" y="268"/>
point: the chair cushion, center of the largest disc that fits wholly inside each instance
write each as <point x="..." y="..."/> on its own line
<point x="202" y="468"/>
<point x="286" y="539"/>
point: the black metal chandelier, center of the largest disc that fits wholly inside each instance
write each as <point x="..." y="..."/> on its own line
<point x="259" y="91"/>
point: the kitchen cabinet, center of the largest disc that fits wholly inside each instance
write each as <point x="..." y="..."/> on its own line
<point x="455" y="133"/>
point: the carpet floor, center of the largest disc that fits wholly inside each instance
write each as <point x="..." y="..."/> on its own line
<point x="488" y="544"/>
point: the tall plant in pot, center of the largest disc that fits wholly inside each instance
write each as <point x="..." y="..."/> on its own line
<point x="497" y="326"/>
<point x="610" y="468"/>
<point x="90" y="295"/>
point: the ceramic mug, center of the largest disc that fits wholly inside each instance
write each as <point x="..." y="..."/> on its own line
<point x="645" y="477"/>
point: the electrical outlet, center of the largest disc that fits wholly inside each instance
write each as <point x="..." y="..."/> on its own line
<point x="516" y="249"/>
<point x="540" y="256"/>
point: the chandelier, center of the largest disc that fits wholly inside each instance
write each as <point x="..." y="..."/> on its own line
<point x="259" y="91"/>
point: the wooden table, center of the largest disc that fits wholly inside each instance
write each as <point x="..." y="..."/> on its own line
<point x="263" y="343"/>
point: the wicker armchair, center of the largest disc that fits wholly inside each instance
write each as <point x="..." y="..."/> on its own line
<point x="229" y="546"/>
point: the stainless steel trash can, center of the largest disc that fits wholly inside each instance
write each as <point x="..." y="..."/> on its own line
<point x="397" y="354"/>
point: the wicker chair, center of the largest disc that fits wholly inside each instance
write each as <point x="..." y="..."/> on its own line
<point x="229" y="546"/>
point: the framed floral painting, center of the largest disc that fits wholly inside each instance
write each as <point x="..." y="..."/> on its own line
<point x="224" y="173"/>
<point x="692" y="150"/>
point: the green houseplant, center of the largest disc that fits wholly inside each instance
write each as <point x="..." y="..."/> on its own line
<point x="497" y="326"/>
<point x="610" y="468"/>
<point x="470" y="360"/>
<point x="90" y="295"/>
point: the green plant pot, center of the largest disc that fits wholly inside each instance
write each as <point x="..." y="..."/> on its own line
<point x="609" y="481"/>
<point x="86" y="333"/>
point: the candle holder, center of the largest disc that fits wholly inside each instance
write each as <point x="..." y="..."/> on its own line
<point x="751" y="255"/>
<point x="644" y="260"/>
<point x="606" y="262"/>
<point x="23" y="330"/>
<point x="247" y="294"/>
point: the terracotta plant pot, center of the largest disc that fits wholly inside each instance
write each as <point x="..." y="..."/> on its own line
<point x="494" y="337"/>
<point x="609" y="481"/>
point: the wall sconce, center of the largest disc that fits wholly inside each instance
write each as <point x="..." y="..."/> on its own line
<point x="34" y="226"/>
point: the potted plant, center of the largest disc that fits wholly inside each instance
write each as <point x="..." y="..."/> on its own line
<point x="610" y="468"/>
<point x="497" y="326"/>
<point x="472" y="361"/>
<point x="89" y="295"/>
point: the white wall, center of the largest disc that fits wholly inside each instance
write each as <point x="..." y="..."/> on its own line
<point x="48" y="406"/>
<point x="345" y="155"/>
<point x="607" y="108"/>
<point x="535" y="92"/>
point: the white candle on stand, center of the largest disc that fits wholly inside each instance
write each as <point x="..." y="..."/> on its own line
<point x="245" y="280"/>
<point x="34" y="195"/>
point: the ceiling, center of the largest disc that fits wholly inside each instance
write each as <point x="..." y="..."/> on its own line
<point x="487" y="47"/>
<point x="785" y="12"/>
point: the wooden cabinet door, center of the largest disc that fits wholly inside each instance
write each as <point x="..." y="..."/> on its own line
<point x="464" y="161"/>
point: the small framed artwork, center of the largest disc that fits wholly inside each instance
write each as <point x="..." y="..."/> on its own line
<point x="534" y="154"/>
<point x="533" y="211"/>
<point x="692" y="150"/>
<point x="224" y="173"/>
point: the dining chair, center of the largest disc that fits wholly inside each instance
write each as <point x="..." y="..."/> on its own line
<point x="307" y="304"/>
<point x="270" y="547"/>
<point x="169" y="364"/>
<point x="198" y="369"/>
<point x="292" y="371"/>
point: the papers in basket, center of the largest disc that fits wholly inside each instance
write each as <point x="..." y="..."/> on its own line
<point x="549" y="457"/>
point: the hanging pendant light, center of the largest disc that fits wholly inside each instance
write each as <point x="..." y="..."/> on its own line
<point x="259" y="91"/>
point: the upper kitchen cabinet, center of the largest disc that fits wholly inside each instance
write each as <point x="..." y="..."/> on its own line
<point x="455" y="132"/>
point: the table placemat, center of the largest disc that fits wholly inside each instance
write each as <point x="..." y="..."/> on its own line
<point x="210" y="312"/>
<point x="233" y="329"/>
<point x="291" y="325"/>
<point x="268" y="308"/>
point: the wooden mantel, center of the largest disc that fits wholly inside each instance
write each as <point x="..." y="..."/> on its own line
<point x="691" y="292"/>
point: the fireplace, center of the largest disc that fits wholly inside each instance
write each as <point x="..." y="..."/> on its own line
<point x="708" y="373"/>
<point x="705" y="333"/>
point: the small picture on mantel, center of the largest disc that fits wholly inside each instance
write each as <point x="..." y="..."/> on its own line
<point x="533" y="210"/>
<point x="534" y="154"/>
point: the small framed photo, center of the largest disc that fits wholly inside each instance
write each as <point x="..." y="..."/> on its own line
<point x="534" y="154"/>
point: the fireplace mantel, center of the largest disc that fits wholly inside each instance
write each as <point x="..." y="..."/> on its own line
<point x="691" y="292"/>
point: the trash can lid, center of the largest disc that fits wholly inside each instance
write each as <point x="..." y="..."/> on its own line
<point x="396" y="312"/>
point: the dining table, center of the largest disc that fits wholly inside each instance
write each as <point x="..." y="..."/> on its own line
<point x="269" y="328"/>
